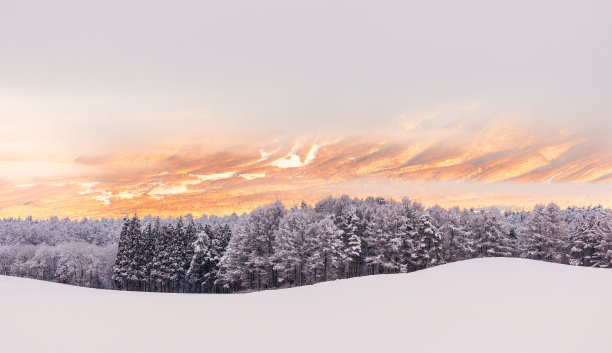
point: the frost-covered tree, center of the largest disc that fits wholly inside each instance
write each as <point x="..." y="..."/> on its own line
<point x="122" y="262"/>
<point x="136" y="255"/>
<point x="83" y="264"/>
<point x="209" y="247"/>
<point x="544" y="235"/>
<point x="327" y="250"/>
<point x="603" y="249"/>
<point x="491" y="234"/>
<point x="457" y="241"/>
<point x="584" y="241"/>
<point x="160" y="269"/>
<point x="219" y="242"/>
<point x="294" y="248"/>
<point x="427" y="243"/>
<point x="384" y="234"/>
<point x="147" y="255"/>
<point x="191" y="233"/>
<point x="201" y="260"/>
<point x="176" y="255"/>
<point x="249" y="259"/>
<point x="352" y="253"/>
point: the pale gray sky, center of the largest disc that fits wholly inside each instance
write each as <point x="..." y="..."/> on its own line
<point x="82" y="76"/>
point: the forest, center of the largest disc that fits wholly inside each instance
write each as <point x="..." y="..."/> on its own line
<point x="275" y="247"/>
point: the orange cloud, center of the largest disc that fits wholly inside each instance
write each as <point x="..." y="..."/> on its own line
<point x="475" y="165"/>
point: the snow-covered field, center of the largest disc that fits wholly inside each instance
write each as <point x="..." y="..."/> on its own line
<point x="483" y="305"/>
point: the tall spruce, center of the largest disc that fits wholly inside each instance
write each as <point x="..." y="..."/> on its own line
<point x="583" y="241"/>
<point x="427" y="243"/>
<point x="352" y="253"/>
<point x="160" y="270"/>
<point x="201" y="260"/>
<point x="136" y="255"/>
<point x="122" y="261"/>
<point x="327" y="249"/>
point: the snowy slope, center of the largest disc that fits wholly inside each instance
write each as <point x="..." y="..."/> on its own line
<point x="483" y="305"/>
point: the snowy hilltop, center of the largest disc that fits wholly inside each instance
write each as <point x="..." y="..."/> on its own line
<point x="481" y="305"/>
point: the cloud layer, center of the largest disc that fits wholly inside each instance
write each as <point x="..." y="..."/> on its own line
<point x="213" y="106"/>
<point x="470" y="162"/>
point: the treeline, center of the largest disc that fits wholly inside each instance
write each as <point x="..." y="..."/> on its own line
<point x="169" y="258"/>
<point x="76" y="263"/>
<point x="53" y="231"/>
<point x="78" y="252"/>
<point x="275" y="247"/>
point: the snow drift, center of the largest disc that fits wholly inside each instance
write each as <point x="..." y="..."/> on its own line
<point x="481" y="305"/>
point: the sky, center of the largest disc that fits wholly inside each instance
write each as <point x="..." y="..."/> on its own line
<point x="137" y="97"/>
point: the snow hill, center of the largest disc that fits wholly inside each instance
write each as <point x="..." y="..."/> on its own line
<point x="482" y="305"/>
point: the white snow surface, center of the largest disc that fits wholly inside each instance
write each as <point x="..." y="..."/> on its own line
<point x="482" y="305"/>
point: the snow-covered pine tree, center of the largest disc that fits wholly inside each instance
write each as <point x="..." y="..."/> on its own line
<point x="352" y="254"/>
<point x="201" y="259"/>
<point x="218" y="244"/>
<point x="327" y="249"/>
<point x="160" y="270"/>
<point x="248" y="261"/>
<point x="491" y="235"/>
<point x="584" y="241"/>
<point x="223" y="234"/>
<point x="558" y="231"/>
<point x="536" y="243"/>
<point x="544" y="235"/>
<point x="234" y="271"/>
<point x="187" y="242"/>
<point x="148" y="255"/>
<point x="427" y="243"/>
<point x="177" y="256"/>
<point x="457" y="241"/>
<point x="408" y="213"/>
<point x="293" y="248"/>
<point x="603" y="249"/>
<point x="122" y="261"/>
<point x="385" y="227"/>
<point x="135" y="254"/>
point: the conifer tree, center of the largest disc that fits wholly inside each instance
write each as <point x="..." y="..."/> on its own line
<point x="545" y="234"/>
<point x="327" y="249"/>
<point x="385" y="229"/>
<point x="293" y="246"/>
<point x="122" y="261"/>
<point x="352" y="254"/>
<point x="491" y="235"/>
<point x="457" y="241"/>
<point x="200" y="265"/>
<point x="148" y="255"/>
<point x="177" y="254"/>
<point x="249" y="259"/>
<point x="603" y="249"/>
<point x="583" y="241"/>
<point x="427" y="243"/>
<point x="218" y="245"/>
<point x="135" y="254"/>
<point x="187" y="243"/>
<point x="160" y="270"/>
